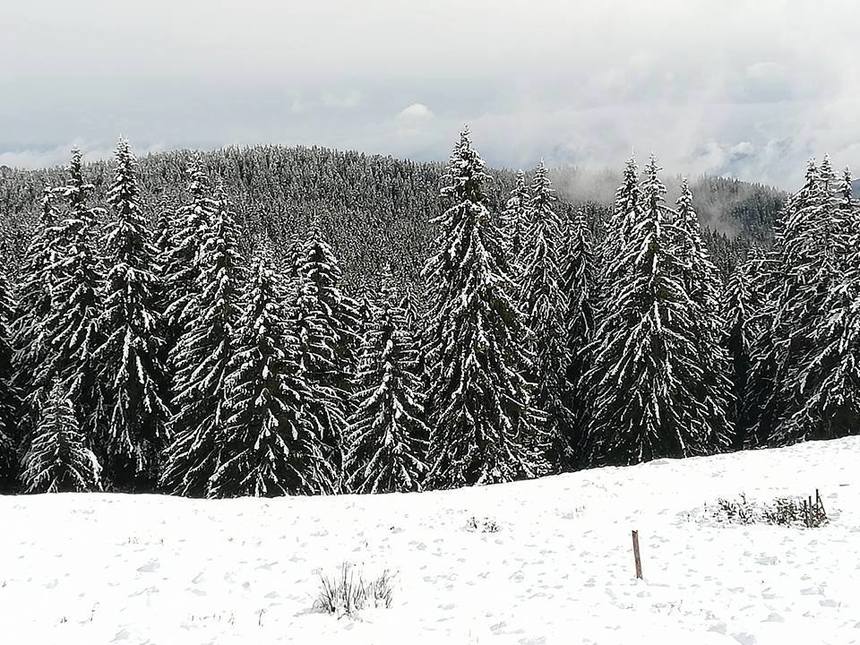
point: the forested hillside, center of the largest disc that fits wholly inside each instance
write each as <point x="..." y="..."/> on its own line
<point x="372" y="209"/>
<point x="295" y="321"/>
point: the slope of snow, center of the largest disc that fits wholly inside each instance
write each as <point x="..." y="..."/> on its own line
<point x="95" y="569"/>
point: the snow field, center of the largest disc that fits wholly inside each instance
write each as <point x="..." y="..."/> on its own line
<point x="87" y="568"/>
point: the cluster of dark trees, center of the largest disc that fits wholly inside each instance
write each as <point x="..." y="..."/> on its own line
<point x="157" y="339"/>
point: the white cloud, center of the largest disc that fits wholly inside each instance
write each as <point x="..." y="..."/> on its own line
<point x="415" y="112"/>
<point x="749" y="91"/>
<point x="59" y="155"/>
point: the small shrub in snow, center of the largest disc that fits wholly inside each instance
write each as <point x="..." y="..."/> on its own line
<point x="347" y="593"/>
<point x="791" y="511"/>
<point x="482" y="525"/>
<point x="735" y="511"/>
<point x="781" y="511"/>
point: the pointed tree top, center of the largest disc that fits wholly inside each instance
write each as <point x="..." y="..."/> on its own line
<point x="123" y="148"/>
<point x="76" y="190"/>
<point x="198" y="182"/>
<point x="631" y="172"/>
<point x="685" y="199"/>
<point x="652" y="177"/>
<point x="542" y="191"/>
<point x="652" y="169"/>
<point x="846" y="189"/>
<point x="466" y="171"/>
<point x="49" y="213"/>
<point x="75" y="163"/>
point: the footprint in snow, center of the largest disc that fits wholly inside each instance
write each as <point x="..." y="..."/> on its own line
<point x="149" y="567"/>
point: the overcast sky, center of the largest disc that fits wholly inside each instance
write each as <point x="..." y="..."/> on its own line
<point x="749" y="88"/>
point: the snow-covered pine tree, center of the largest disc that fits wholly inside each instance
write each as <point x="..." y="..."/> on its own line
<point x="200" y="359"/>
<point x="701" y="285"/>
<point x="133" y="377"/>
<point x="644" y="381"/>
<point x="179" y="262"/>
<point x="58" y="457"/>
<point x="162" y="240"/>
<point x="544" y="303"/>
<point x="626" y="212"/>
<point x="483" y="426"/>
<point x="737" y="311"/>
<point x="785" y="304"/>
<point x="36" y="283"/>
<point x="700" y="274"/>
<point x="326" y="323"/>
<point x="273" y="439"/>
<point x="10" y="400"/>
<point x="515" y="220"/>
<point x="820" y="390"/>
<point x="387" y="437"/>
<point x="577" y="283"/>
<point x="71" y="329"/>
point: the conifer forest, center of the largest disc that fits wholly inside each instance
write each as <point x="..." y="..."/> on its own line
<point x="273" y="321"/>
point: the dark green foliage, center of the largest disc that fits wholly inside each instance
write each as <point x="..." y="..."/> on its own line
<point x="806" y="373"/>
<point x="58" y="457"/>
<point x="483" y="427"/>
<point x="543" y="303"/>
<point x="273" y="443"/>
<point x="70" y="332"/>
<point x="10" y="396"/>
<point x="737" y="309"/>
<point x="133" y="378"/>
<point x="327" y="324"/>
<point x="201" y="357"/>
<point x="578" y="284"/>
<point x="555" y="334"/>
<point x="652" y="392"/>
<point x="387" y="435"/>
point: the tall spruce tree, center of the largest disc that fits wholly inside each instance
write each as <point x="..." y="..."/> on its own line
<point x="795" y="283"/>
<point x="273" y="435"/>
<point x="36" y="283"/>
<point x="646" y="399"/>
<point x="737" y="312"/>
<point x="701" y="284"/>
<point x="819" y="393"/>
<point x="179" y="262"/>
<point x="788" y="303"/>
<point x="483" y="426"/>
<point x="326" y="322"/>
<point x="130" y="367"/>
<point x="72" y="328"/>
<point x="544" y="304"/>
<point x="201" y="358"/>
<point x="626" y="212"/>
<point x="387" y="436"/>
<point x="515" y="220"/>
<point x="577" y="284"/>
<point x="10" y="400"/>
<point x="58" y="457"/>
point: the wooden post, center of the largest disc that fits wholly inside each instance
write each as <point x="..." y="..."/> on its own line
<point x="636" y="557"/>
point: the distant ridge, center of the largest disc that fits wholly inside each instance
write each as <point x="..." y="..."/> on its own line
<point x="856" y="187"/>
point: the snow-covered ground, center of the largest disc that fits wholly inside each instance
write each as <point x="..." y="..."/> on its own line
<point x="95" y="569"/>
